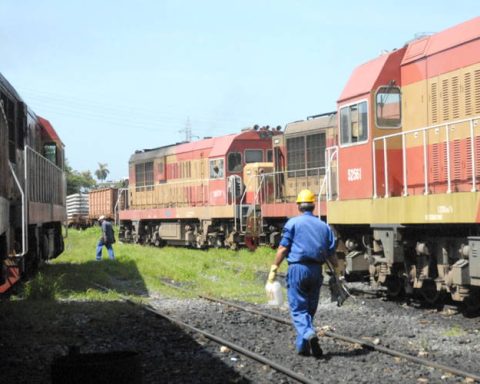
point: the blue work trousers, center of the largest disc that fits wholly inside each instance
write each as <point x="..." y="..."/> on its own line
<point x="303" y="290"/>
<point x="100" y="245"/>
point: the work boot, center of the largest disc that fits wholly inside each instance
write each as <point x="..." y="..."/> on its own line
<point x="305" y="351"/>
<point x="315" y="347"/>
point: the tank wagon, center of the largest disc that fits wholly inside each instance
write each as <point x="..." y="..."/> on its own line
<point x="32" y="188"/>
<point x="198" y="193"/>
<point x="401" y="184"/>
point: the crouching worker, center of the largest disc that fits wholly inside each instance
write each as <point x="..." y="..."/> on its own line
<point x="107" y="239"/>
<point x="306" y="243"/>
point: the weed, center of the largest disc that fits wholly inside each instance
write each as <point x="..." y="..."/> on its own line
<point x="42" y="287"/>
<point x="454" y="331"/>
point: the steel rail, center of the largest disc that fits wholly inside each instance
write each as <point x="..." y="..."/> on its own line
<point x="364" y="343"/>
<point x="279" y="368"/>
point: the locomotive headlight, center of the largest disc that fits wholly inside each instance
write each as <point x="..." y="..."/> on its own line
<point x="351" y="244"/>
<point x="464" y="251"/>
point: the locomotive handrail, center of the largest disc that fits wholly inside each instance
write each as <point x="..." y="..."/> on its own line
<point x="472" y="121"/>
<point x="47" y="178"/>
<point x="24" y="224"/>
<point x="333" y="150"/>
<point x="321" y="171"/>
<point x="115" y="208"/>
<point x="242" y="199"/>
<point x="327" y="180"/>
<point x="203" y="183"/>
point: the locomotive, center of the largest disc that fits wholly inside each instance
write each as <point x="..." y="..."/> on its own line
<point x="32" y="188"/>
<point x="198" y="193"/>
<point x="401" y="183"/>
<point x="396" y="169"/>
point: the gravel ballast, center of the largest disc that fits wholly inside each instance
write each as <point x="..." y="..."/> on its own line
<point x="34" y="333"/>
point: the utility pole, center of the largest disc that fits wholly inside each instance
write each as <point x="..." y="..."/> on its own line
<point x="187" y="130"/>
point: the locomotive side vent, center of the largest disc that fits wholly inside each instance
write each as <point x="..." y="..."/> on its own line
<point x="434" y="103"/>
<point x="445" y="100"/>
<point x="476" y="151"/>
<point x="435" y="164"/>
<point x="477" y="91"/>
<point x="468" y="93"/>
<point x="444" y="167"/>
<point x="457" y="157"/>
<point x="455" y="97"/>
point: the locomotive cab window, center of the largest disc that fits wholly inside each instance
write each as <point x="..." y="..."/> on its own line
<point x="216" y="169"/>
<point x="253" y="156"/>
<point x="388" y="107"/>
<point x="234" y="162"/>
<point x="354" y="123"/>
<point x="50" y="152"/>
<point x="269" y="155"/>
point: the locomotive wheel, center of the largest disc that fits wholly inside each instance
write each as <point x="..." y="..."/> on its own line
<point x="395" y="287"/>
<point x="472" y="303"/>
<point x="429" y="291"/>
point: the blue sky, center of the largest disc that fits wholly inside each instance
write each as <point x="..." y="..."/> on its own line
<point x="117" y="76"/>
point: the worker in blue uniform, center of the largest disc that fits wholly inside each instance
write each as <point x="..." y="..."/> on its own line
<point x="306" y="243"/>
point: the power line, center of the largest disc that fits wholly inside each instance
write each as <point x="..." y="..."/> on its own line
<point x="58" y="100"/>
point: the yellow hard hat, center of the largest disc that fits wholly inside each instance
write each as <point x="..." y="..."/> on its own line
<point x="306" y="196"/>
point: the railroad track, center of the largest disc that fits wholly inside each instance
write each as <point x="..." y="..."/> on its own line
<point x="221" y="341"/>
<point x="365" y="344"/>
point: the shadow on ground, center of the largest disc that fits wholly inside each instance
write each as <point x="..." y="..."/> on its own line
<point x="35" y="332"/>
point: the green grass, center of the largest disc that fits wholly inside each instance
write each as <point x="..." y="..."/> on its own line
<point x="139" y="270"/>
<point x="454" y="331"/>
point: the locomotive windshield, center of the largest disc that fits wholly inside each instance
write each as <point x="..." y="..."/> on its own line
<point x="388" y="107"/>
<point x="234" y="162"/>
<point x="253" y="156"/>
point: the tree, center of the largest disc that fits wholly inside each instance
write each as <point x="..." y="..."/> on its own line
<point x="102" y="172"/>
<point x="78" y="181"/>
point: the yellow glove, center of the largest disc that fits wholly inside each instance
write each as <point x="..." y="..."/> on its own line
<point x="272" y="274"/>
<point x="337" y="270"/>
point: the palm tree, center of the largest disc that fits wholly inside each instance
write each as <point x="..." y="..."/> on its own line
<point x="102" y="172"/>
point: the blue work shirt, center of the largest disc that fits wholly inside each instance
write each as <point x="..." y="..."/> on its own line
<point x="308" y="239"/>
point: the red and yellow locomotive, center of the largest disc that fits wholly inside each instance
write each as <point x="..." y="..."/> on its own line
<point x="402" y="181"/>
<point x="197" y="193"/>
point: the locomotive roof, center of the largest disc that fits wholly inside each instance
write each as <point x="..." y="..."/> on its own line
<point x="148" y="154"/>
<point x="326" y="120"/>
<point x="218" y="146"/>
<point x="366" y="77"/>
<point x="363" y="78"/>
<point x="50" y="130"/>
<point x="9" y="88"/>
<point x="451" y="37"/>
